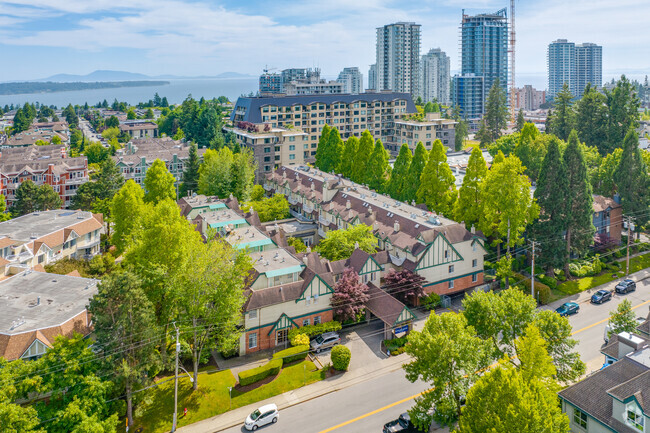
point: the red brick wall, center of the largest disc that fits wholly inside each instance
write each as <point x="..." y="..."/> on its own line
<point x="267" y="341"/>
<point x="460" y="285"/>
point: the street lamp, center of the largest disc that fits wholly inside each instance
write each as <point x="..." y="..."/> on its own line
<point x="230" y="394"/>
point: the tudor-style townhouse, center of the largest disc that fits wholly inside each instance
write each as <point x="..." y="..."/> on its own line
<point x="442" y="251"/>
<point x="42" y="165"/>
<point x="40" y="238"/>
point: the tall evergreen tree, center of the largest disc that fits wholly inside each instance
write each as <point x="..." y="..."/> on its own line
<point x="631" y="179"/>
<point x="349" y="153"/>
<point x="366" y="147"/>
<point x="591" y="119"/>
<point x="623" y="106"/>
<point x="321" y="150"/>
<point x="548" y="122"/>
<point x="419" y="161"/>
<point x="551" y="195"/>
<point x="563" y="116"/>
<point x="191" y="172"/>
<point x="531" y="149"/>
<point x="520" y="120"/>
<point x="242" y="174"/>
<point x="378" y="168"/>
<point x="496" y="111"/>
<point x="398" y="177"/>
<point x="437" y="184"/>
<point x="469" y="207"/>
<point x="331" y="157"/>
<point x="460" y="134"/>
<point x="579" y="225"/>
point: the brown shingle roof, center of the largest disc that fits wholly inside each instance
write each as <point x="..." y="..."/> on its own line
<point x="383" y="305"/>
<point x="639" y="387"/>
<point x="603" y="203"/>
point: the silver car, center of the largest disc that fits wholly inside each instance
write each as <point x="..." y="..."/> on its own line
<point x="325" y="341"/>
<point x="266" y="414"/>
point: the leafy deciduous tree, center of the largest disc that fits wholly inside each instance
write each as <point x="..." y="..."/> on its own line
<point x="349" y="296"/>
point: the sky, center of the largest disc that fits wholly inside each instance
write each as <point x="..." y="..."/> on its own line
<point x="39" y="38"/>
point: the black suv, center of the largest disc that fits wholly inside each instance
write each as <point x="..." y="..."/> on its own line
<point x="402" y="424"/>
<point x="626" y="286"/>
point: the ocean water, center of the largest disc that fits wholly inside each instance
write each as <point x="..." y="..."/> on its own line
<point x="176" y="91"/>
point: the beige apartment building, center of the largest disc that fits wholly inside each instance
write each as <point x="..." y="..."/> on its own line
<point x="411" y="131"/>
<point x="303" y="118"/>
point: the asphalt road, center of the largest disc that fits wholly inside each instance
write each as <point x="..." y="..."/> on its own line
<point x="367" y="406"/>
<point x="85" y="129"/>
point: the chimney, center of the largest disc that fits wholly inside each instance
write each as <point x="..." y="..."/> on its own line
<point x="370" y="210"/>
<point x="356" y="245"/>
<point x="313" y="187"/>
<point x="305" y="260"/>
<point x="473" y="229"/>
<point x="396" y="226"/>
<point x="284" y="174"/>
<point x="348" y="205"/>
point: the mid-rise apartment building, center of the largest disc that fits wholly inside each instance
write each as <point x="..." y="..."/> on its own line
<point x="40" y="238"/>
<point x="140" y="129"/>
<point x="42" y="165"/>
<point x="270" y="83"/>
<point x="352" y="80"/>
<point x="139" y="154"/>
<point x="529" y="99"/>
<point x="435" y="77"/>
<point x="442" y="251"/>
<point x="411" y="131"/>
<point x="575" y="65"/>
<point x="295" y="123"/>
<point x="398" y="58"/>
<point x="484" y="54"/>
<point x="320" y="87"/>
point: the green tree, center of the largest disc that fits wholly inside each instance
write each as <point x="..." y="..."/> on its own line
<point x="579" y="221"/>
<point x="349" y="153"/>
<point x="215" y="173"/>
<point x="4" y="215"/>
<point x="76" y="139"/>
<point x="531" y="149"/>
<point x="149" y="114"/>
<point x="461" y="132"/>
<point x="496" y="111"/>
<point x="563" y="116"/>
<point x="398" y="179"/>
<point x="242" y="174"/>
<point x="622" y="319"/>
<point x="602" y="179"/>
<point x="18" y="378"/>
<point x="112" y="122"/>
<point x="428" y="107"/>
<point x="270" y="209"/>
<point x="437" y="184"/>
<point x="297" y="244"/>
<point x="623" y="106"/>
<point x="469" y="206"/>
<point x="508" y="208"/>
<point x="159" y="183"/>
<point x="123" y="318"/>
<point x="378" y="170"/>
<point x="191" y="172"/>
<point x="211" y="299"/>
<point x="56" y="140"/>
<point x="130" y="115"/>
<point x="96" y="153"/>
<point x="340" y="244"/>
<point x="551" y="196"/>
<point x="448" y="356"/>
<point x="21" y="122"/>
<point x="364" y="152"/>
<point x="333" y="154"/>
<point x="592" y="118"/>
<point x="26" y="198"/>
<point x="506" y="144"/>
<point x="71" y="117"/>
<point x="127" y="208"/>
<point x="557" y="332"/>
<point x="414" y="174"/>
<point x="257" y="193"/>
<point x="321" y="150"/>
<point x="520" y="120"/>
<point x="632" y="181"/>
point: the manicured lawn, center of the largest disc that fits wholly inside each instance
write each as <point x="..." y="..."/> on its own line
<point x="154" y="413"/>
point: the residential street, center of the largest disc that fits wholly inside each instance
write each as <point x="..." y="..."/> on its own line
<point x="367" y="406"/>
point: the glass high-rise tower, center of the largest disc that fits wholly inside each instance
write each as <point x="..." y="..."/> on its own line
<point x="575" y="65"/>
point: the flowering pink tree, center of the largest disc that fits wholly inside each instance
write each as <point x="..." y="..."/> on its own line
<point x="403" y="285"/>
<point x="349" y="296"/>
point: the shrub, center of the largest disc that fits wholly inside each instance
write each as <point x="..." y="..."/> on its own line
<point x="292" y="354"/>
<point x="542" y="291"/>
<point x="256" y="374"/>
<point x="341" y="357"/>
<point x="398" y="351"/>
<point x="395" y="343"/>
<point x="314" y="330"/>
<point x="430" y="301"/>
<point x="300" y="340"/>
<point x="549" y="281"/>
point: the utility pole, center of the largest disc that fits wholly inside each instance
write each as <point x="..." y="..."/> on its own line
<point x="178" y="349"/>
<point x="630" y="228"/>
<point x="532" y="269"/>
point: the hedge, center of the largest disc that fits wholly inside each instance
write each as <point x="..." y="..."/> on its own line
<point x="292" y="354"/>
<point x="314" y="330"/>
<point x="549" y="281"/>
<point x="340" y="357"/>
<point x="256" y="374"/>
<point x="542" y="291"/>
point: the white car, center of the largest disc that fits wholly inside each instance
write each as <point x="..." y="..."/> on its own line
<point x="266" y="414"/>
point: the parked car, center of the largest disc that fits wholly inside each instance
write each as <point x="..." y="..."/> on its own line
<point x="267" y="414"/>
<point x="568" y="308"/>
<point x="325" y="341"/>
<point x="601" y="296"/>
<point x="626" y="286"/>
<point x="402" y="424"/>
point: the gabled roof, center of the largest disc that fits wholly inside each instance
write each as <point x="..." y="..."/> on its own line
<point x="637" y="387"/>
<point x="385" y="306"/>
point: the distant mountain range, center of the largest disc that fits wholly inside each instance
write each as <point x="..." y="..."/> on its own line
<point x="102" y="75"/>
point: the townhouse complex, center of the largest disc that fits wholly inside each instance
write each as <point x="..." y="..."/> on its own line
<point x="139" y="154"/>
<point x="295" y="123"/>
<point x="42" y="165"/>
<point x="40" y="238"/>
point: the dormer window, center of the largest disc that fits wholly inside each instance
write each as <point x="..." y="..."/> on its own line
<point x="634" y="417"/>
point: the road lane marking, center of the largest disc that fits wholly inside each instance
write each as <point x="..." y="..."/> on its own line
<point x="404" y="400"/>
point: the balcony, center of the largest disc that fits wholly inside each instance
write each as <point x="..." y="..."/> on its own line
<point x="292" y="200"/>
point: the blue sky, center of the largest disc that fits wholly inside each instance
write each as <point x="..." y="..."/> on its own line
<point x="39" y="38"/>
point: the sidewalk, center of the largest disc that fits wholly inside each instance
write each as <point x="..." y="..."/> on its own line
<point x="237" y="416"/>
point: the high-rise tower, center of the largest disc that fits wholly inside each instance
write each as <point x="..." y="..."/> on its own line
<point x="398" y="58"/>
